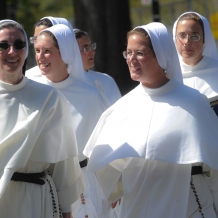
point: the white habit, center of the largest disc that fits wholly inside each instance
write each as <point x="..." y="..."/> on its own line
<point x="87" y="105"/>
<point x="37" y="135"/>
<point x="204" y="75"/>
<point x="144" y="146"/>
<point x="108" y="84"/>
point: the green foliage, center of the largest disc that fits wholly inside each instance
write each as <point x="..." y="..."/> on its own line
<point x="30" y="11"/>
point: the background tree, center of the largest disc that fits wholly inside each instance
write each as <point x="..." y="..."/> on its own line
<point x="3" y="9"/>
<point x="107" y="23"/>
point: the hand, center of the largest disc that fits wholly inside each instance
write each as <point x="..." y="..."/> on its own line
<point x="113" y="205"/>
<point x="67" y="215"/>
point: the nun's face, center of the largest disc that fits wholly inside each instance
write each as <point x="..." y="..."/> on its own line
<point x="87" y="57"/>
<point x="11" y="59"/>
<point x="142" y="63"/>
<point x="49" y="59"/>
<point x="191" y="51"/>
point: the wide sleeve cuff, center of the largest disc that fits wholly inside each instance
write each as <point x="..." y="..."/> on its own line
<point x="109" y="178"/>
<point x="71" y="194"/>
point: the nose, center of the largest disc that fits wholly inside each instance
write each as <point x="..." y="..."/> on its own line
<point x="11" y="49"/>
<point x="187" y="40"/>
<point x="132" y="57"/>
<point x="39" y="55"/>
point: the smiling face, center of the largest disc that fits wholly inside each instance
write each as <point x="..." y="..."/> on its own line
<point x="11" y="60"/>
<point x="87" y="58"/>
<point x="49" y="59"/>
<point x="146" y="69"/>
<point x="191" y="51"/>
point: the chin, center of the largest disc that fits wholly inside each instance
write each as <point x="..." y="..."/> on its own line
<point x="135" y="77"/>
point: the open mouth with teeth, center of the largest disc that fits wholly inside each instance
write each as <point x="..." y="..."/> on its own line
<point x="43" y="65"/>
<point x="11" y="61"/>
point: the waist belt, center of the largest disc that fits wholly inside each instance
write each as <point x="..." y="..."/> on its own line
<point x="83" y="163"/>
<point x="35" y="178"/>
<point x="196" y="170"/>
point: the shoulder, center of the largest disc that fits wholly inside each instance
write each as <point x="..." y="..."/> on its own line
<point x="213" y="62"/>
<point x="37" y="89"/>
<point x="102" y="76"/>
<point x="128" y="99"/>
<point x="33" y="72"/>
<point x="191" y="96"/>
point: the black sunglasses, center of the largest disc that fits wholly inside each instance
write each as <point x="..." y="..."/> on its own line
<point x="18" y="45"/>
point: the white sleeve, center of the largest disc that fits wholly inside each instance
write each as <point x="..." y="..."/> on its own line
<point x="69" y="181"/>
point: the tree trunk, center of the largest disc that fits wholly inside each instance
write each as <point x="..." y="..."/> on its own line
<point x="107" y="22"/>
<point x="3" y="10"/>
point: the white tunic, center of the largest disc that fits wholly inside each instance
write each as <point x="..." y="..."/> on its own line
<point x="86" y="109"/>
<point x="203" y="76"/>
<point x="109" y="86"/>
<point x="143" y="148"/>
<point x="88" y="103"/>
<point x="36" y="128"/>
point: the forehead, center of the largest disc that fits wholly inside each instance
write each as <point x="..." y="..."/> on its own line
<point x="84" y="41"/>
<point x="38" y="29"/>
<point x="11" y="34"/>
<point x="44" y="40"/>
<point x="189" y="26"/>
<point x="136" y="41"/>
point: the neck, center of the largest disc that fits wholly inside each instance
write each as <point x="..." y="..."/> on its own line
<point x="156" y="84"/>
<point x="11" y="78"/>
<point x="192" y="62"/>
<point x="59" y="78"/>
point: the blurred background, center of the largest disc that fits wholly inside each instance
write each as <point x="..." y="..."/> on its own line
<point x="107" y="22"/>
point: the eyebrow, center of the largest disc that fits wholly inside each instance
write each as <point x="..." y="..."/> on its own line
<point x="86" y="45"/>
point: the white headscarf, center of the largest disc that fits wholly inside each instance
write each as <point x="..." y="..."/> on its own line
<point x="164" y="49"/>
<point x="209" y="49"/>
<point x="69" y="50"/>
<point x="59" y="20"/>
<point x="26" y="40"/>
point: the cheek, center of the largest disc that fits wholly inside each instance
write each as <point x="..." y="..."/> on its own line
<point x="84" y="58"/>
<point x="199" y="46"/>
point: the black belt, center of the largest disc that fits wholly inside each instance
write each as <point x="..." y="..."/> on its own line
<point x="83" y="163"/>
<point x="196" y="170"/>
<point x="35" y="178"/>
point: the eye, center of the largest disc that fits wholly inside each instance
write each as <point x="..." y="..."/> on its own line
<point x="128" y="53"/>
<point x="140" y="54"/>
<point x="85" y="49"/>
<point x="47" y="51"/>
<point x="195" y="37"/>
<point x="182" y="35"/>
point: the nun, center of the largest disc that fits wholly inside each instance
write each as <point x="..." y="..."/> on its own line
<point x="61" y="67"/>
<point x="198" y="56"/>
<point x="156" y="147"/>
<point x="40" y="175"/>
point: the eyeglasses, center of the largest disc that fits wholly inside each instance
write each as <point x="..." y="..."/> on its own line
<point x="18" y="45"/>
<point x="193" y="37"/>
<point x="89" y="48"/>
<point x="33" y="39"/>
<point x="138" y="54"/>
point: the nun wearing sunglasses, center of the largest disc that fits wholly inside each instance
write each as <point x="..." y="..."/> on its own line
<point x="40" y="175"/>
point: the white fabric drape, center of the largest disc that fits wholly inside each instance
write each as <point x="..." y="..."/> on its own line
<point x="35" y="128"/>
<point x="107" y="85"/>
<point x="164" y="49"/>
